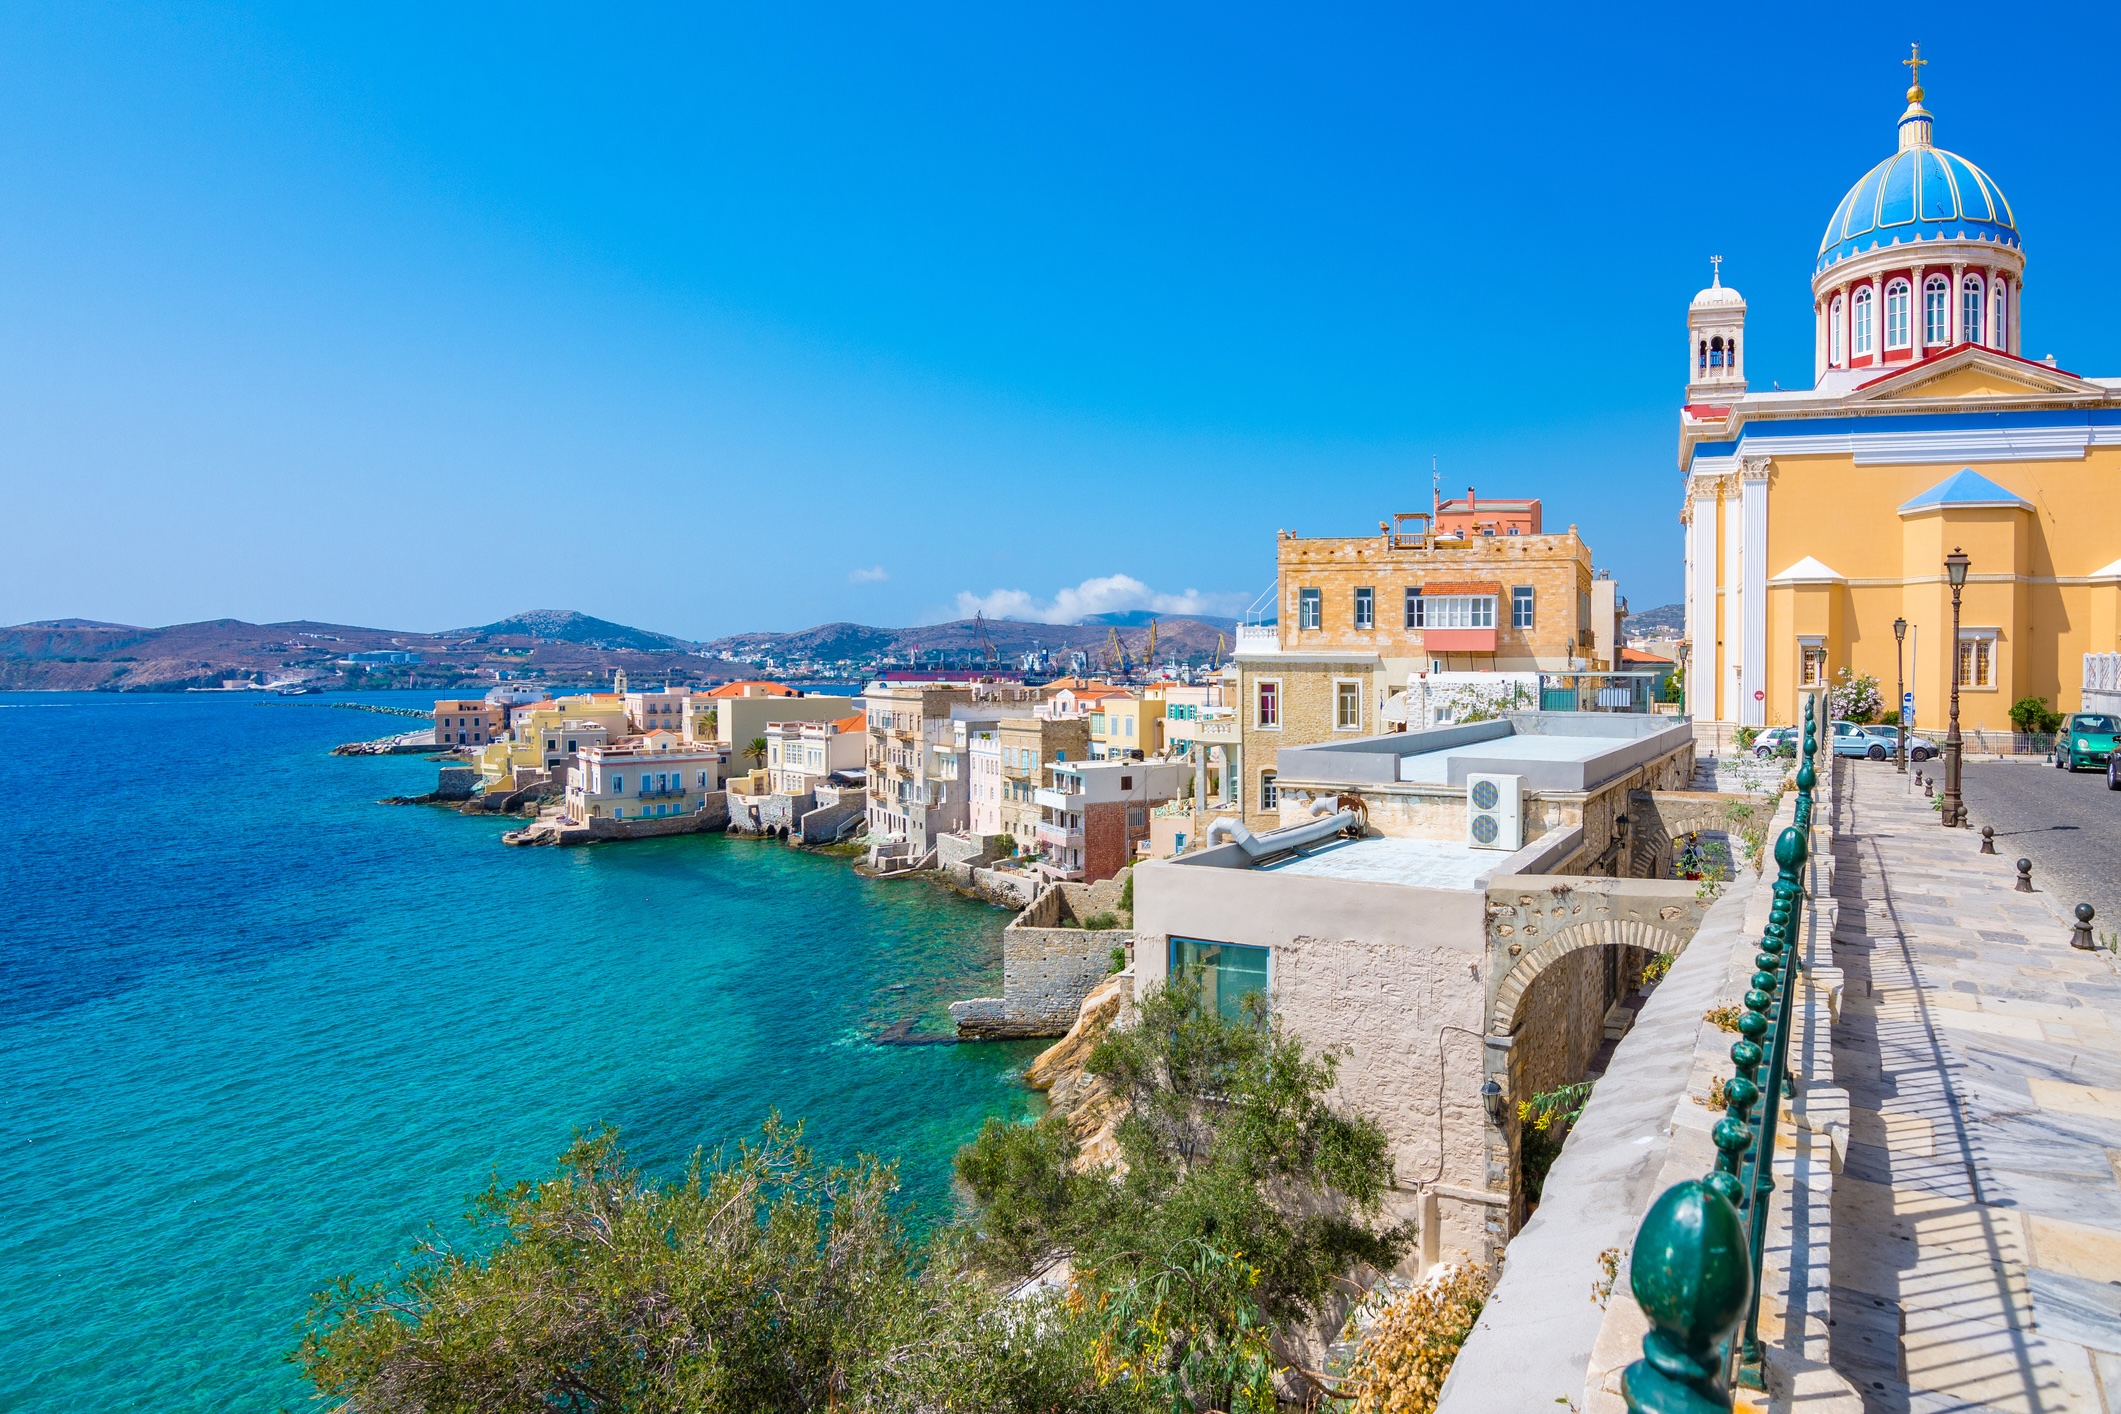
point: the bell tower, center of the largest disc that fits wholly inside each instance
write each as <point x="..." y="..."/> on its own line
<point x="1715" y="325"/>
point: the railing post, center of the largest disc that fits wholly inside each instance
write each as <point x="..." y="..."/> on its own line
<point x="1700" y="1250"/>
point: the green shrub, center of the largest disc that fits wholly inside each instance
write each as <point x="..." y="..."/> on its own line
<point x="2031" y="714"/>
<point x="1101" y="921"/>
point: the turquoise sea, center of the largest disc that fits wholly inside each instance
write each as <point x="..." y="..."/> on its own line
<point x="259" y="1030"/>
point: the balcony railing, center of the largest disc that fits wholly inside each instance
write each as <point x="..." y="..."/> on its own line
<point x="662" y="793"/>
<point x="1698" y="1255"/>
<point x="1052" y="799"/>
<point x="1060" y="836"/>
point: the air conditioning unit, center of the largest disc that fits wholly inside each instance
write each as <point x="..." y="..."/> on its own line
<point x="1495" y="812"/>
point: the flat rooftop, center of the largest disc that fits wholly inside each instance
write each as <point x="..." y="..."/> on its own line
<point x="1427" y="864"/>
<point x="1434" y="767"/>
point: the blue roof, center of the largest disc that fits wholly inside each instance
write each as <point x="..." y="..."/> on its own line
<point x="1965" y="487"/>
<point x="1922" y="193"/>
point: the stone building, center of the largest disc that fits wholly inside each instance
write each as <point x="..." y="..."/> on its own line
<point x="1365" y="618"/>
<point x="1096" y="813"/>
<point x="1030" y="747"/>
<point x="1434" y="966"/>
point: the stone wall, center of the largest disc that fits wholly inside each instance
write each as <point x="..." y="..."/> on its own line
<point x="712" y="815"/>
<point x="1050" y="962"/>
<point x="768" y="814"/>
<point x="822" y="824"/>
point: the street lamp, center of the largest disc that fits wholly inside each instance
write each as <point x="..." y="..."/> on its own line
<point x="1900" y="686"/>
<point x="1954" y="808"/>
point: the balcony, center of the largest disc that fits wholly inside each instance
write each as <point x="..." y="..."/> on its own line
<point x="666" y="793"/>
<point x="1052" y="799"/>
<point x="1057" y="836"/>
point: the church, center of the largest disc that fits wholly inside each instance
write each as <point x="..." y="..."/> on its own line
<point x="1815" y="518"/>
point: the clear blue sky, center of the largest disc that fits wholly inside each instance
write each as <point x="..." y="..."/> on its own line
<point x="716" y="319"/>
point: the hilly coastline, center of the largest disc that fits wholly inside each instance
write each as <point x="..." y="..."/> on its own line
<point x="558" y="645"/>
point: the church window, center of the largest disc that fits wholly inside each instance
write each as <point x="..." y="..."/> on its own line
<point x="1716" y="353"/>
<point x="1970" y="303"/>
<point x="1977" y="658"/>
<point x="1936" y="310"/>
<point x="1812" y="665"/>
<point x="1863" y="323"/>
<point x="1896" y="330"/>
<point x="1999" y="327"/>
<point x="1836" y="353"/>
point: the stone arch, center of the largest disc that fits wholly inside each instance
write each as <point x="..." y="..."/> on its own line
<point x="1669" y="934"/>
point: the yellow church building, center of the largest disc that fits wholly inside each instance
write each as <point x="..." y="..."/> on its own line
<point x="1815" y="518"/>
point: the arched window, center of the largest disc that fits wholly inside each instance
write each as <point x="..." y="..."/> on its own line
<point x="1970" y="303"/>
<point x="1999" y="326"/>
<point x="1836" y="355"/>
<point x="1863" y="322"/>
<point x="1936" y="310"/>
<point x="1896" y="330"/>
<point x="1716" y="352"/>
<point x="1701" y="356"/>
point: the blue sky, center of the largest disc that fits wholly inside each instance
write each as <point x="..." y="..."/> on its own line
<point x="708" y="319"/>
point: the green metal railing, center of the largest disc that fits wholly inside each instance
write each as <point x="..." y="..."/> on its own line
<point x="1698" y="1253"/>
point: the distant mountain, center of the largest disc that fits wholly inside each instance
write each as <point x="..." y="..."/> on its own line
<point x="568" y="626"/>
<point x="1181" y="638"/>
<point x="1666" y="620"/>
<point x="80" y="623"/>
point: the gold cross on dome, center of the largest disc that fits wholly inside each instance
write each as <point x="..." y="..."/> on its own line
<point x="1914" y="63"/>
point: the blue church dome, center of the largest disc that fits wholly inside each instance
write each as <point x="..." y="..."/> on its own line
<point x="1919" y="193"/>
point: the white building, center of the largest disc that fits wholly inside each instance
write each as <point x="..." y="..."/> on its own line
<point x="983" y="785"/>
<point x="801" y="754"/>
<point x="643" y="778"/>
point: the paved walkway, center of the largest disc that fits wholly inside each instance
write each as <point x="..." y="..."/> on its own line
<point x="1977" y="1217"/>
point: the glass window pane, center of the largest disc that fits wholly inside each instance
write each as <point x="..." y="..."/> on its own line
<point x="1227" y="972"/>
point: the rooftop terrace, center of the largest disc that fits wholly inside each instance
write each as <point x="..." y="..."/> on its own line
<point x="1553" y="751"/>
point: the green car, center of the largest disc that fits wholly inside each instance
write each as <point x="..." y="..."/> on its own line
<point x="2087" y="739"/>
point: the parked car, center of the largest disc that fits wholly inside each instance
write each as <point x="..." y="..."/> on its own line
<point x="2087" y="739"/>
<point x="1919" y="748"/>
<point x="2113" y="771"/>
<point x="1856" y="739"/>
<point x="1773" y="740"/>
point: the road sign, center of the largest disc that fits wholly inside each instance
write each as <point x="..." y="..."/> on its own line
<point x="1907" y="709"/>
<point x="1760" y="694"/>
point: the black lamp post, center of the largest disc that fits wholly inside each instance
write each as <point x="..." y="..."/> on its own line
<point x="1954" y="808"/>
<point x="1900" y="686"/>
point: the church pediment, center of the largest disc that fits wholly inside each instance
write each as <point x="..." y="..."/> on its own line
<point x="1970" y="371"/>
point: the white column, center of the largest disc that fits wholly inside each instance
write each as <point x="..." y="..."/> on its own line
<point x="1958" y="303"/>
<point x="1820" y="311"/>
<point x="1732" y="583"/>
<point x="1841" y="294"/>
<point x="2016" y="292"/>
<point x="1705" y="669"/>
<point x="1751" y="575"/>
<point x="1877" y="320"/>
<point x="1988" y="306"/>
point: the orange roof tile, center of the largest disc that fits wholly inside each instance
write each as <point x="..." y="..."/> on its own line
<point x="736" y="689"/>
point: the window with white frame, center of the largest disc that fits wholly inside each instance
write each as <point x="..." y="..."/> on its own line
<point x="1896" y="329"/>
<point x="1977" y="658"/>
<point x="1347" y="705"/>
<point x="1521" y="606"/>
<point x="1366" y="608"/>
<point x="1455" y="611"/>
<point x="1307" y="608"/>
<point x="1970" y="304"/>
<point x="1936" y="310"/>
<point x="1414" y="607"/>
<point x="1836" y="352"/>
<point x="1266" y="704"/>
<point x="1862" y="338"/>
<point x="1269" y="796"/>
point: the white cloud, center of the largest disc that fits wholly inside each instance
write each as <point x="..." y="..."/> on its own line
<point x="1105" y="594"/>
<point x="875" y="574"/>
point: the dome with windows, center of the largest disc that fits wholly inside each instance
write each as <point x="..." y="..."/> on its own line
<point x="1920" y="193"/>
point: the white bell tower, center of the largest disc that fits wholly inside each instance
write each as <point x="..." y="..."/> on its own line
<point x="1715" y="326"/>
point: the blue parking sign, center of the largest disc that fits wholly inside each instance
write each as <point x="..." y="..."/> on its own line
<point x="1907" y="709"/>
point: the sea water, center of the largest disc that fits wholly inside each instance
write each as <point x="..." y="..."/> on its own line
<point x="258" y="1030"/>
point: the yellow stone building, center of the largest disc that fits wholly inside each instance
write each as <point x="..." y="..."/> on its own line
<point x="1815" y="518"/>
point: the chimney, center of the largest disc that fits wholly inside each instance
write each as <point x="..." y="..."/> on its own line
<point x="1472" y="501"/>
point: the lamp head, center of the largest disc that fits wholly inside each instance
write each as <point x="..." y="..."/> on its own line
<point x="1900" y="630"/>
<point x="1955" y="566"/>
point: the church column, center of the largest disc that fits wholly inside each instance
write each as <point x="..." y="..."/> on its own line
<point x="1730" y="579"/>
<point x="1877" y="320"/>
<point x="1958" y="304"/>
<point x="1918" y="314"/>
<point x="1819" y="344"/>
<point x="1704" y="671"/>
<point x="1841" y="296"/>
<point x="2014" y="293"/>
<point x="1751" y="576"/>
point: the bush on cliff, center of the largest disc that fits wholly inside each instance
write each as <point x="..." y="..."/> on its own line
<point x="761" y="1281"/>
<point x="1242" y="1196"/>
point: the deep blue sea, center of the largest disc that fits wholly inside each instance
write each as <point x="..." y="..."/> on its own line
<point x="258" y="1030"/>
